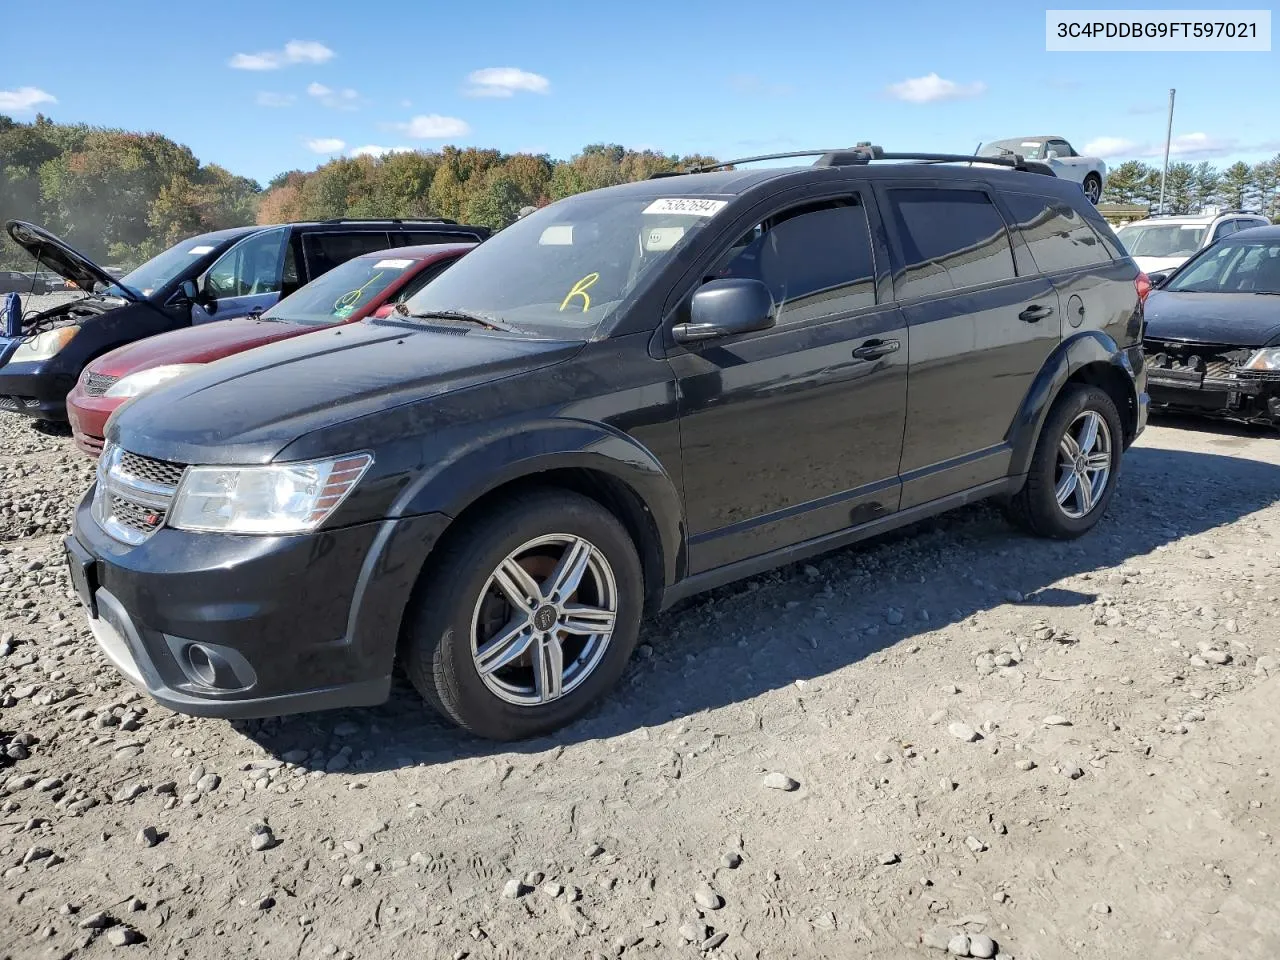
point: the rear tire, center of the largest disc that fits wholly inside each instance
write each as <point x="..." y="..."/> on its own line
<point x="1093" y="188"/>
<point x="1069" y="487"/>
<point x="506" y="670"/>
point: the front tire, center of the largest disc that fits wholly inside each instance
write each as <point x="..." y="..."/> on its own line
<point x="1093" y="188"/>
<point x="1075" y="465"/>
<point x="529" y="613"/>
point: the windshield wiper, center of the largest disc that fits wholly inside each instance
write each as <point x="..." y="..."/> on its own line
<point x="460" y="316"/>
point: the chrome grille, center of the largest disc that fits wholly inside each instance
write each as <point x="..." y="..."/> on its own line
<point x="96" y="384"/>
<point x="133" y="493"/>
<point x="153" y="471"/>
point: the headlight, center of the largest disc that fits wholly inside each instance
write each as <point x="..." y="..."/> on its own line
<point x="1268" y="358"/>
<point x="139" y="383"/>
<point x="273" y="499"/>
<point x="44" y="345"/>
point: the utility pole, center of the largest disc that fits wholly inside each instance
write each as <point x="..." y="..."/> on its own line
<point x="1168" y="138"/>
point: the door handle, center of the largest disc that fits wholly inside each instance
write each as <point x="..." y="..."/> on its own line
<point x="875" y="348"/>
<point x="1035" y="313"/>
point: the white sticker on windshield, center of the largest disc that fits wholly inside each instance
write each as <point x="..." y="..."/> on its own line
<point x="686" y="205"/>
<point x="199" y="251"/>
<point x="392" y="264"/>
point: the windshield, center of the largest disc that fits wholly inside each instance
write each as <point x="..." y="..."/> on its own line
<point x="1232" y="268"/>
<point x="1028" y="149"/>
<point x="1162" y="239"/>
<point x="337" y="295"/>
<point x="163" y="268"/>
<point x="564" y="271"/>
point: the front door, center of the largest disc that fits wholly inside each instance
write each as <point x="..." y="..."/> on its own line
<point x="793" y="433"/>
<point x="980" y="333"/>
<point x="246" y="278"/>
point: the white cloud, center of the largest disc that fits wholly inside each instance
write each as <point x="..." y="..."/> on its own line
<point x="432" y="126"/>
<point x="326" y="145"/>
<point x="373" y="150"/>
<point x="345" y="99"/>
<point x="504" y="82"/>
<point x="1183" y="145"/>
<point x="268" y="99"/>
<point x="934" y="89"/>
<point x="1107" y="147"/>
<point x="24" y="99"/>
<point x="295" y="51"/>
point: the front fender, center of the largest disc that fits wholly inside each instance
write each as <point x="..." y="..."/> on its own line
<point x="457" y="480"/>
<point x="1072" y="355"/>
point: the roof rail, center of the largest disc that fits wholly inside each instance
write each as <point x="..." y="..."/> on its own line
<point x="866" y="152"/>
<point x="390" y="220"/>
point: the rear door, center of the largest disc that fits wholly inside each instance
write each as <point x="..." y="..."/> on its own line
<point x="980" y="329"/>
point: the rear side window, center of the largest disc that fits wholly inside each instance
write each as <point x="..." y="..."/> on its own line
<point x="1058" y="237"/>
<point x="948" y="239"/>
<point x="422" y="239"/>
<point x="816" y="260"/>
<point x="1225" y="229"/>
<point x="324" y="251"/>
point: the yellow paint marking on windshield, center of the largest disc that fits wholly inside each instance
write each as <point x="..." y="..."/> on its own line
<point x="580" y="289"/>
<point x="352" y="297"/>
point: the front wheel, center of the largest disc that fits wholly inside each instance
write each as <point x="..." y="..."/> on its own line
<point x="1075" y="465"/>
<point x="1093" y="188"/>
<point x="528" y="615"/>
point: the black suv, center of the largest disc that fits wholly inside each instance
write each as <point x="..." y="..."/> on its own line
<point x="214" y="276"/>
<point x="627" y="397"/>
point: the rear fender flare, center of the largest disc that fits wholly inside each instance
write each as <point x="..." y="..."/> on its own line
<point x="1086" y="347"/>
<point x="462" y="477"/>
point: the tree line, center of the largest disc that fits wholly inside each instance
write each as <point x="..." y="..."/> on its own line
<point x="1189" y="187"/>
<point x="122" y="197"/>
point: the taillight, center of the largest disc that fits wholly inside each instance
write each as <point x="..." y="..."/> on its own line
<point x="1143" y="285"/>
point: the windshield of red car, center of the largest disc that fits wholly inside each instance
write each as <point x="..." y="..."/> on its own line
<point x="347" y="288"/>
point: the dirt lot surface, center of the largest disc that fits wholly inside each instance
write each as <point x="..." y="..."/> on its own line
<point x="957" y="738"/>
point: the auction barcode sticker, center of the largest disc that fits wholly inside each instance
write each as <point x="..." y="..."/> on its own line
<point x="392" y="264"/>
<point x="690" y="206"/>
<point x="199" y="251"/>
<point x="1150" y="31"/>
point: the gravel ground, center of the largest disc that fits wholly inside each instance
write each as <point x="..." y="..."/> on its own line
<point x="953" y="739"/>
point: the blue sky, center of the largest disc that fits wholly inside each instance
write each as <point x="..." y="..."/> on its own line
<point x="260" y="88"/>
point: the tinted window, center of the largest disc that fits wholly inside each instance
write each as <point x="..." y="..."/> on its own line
<point x="948" y="239"/>
<point x="415" y="239"/>
<point x="1224" y="229"/>
<point x="251" y="267"/>
<point x="1058" y="237"/>
<point x="816" y="260"/>
<point x="324" y="251"/>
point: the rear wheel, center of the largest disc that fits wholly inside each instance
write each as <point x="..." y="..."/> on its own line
<point x="528" y="615"/>
<point x="1075" y="465"/>
<point x="1093" y="188"/>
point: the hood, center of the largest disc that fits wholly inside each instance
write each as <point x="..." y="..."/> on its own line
<point x="1237" y="319"/>
<point x="58" y="256"/>
<point x="248" y="407"/>
<point x="1151" y="265"/>
<point x="202" y="343"/>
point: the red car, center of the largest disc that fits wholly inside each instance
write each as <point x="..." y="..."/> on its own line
<point x="368" y="285"/>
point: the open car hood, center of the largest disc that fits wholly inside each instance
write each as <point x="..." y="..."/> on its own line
<point x="61" y="258"/>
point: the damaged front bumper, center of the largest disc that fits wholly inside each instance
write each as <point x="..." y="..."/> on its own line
<point x="36" y="388"/>
<point x="1210" y="380"/>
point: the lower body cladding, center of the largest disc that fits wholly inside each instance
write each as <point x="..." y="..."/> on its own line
<point x="1207" y="380"/>
<point x="237" y="626"/>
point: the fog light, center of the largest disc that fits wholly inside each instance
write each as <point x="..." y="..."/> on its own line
<point x="212" y="666"/>
<point x="200" y="665"/>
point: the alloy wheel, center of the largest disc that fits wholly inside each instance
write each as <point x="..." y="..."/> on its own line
<point x="1093" y="190"/>
<point x="1084" y="464"/>
<point x="544" y="619"/>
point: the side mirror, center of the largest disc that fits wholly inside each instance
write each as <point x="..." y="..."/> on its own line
<point x="384" y="311"/>
<point x="1159" y="277"/>
<point x="726" y="308"/>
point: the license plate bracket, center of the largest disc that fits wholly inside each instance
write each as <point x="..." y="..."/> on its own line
<point x="83" y="569"/>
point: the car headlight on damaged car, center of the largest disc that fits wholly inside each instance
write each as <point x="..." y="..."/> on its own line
<point x="136" y="384"/>
<point x="44" y="345"/>
<point x="278" y="498"/>
<point x="1268" y="358"/>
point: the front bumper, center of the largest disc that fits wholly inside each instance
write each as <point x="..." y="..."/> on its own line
<point x="88" y="418"/>
<point x="35" y="388"/>
<point x="242" y="626"/>
<point x="1222" y="393"/>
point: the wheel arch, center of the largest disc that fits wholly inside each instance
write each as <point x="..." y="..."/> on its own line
<point x="1090" y="357"/>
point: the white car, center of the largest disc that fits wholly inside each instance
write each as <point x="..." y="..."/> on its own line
<point x="1089" y="172"/>
<point x="1162" y="244"/>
